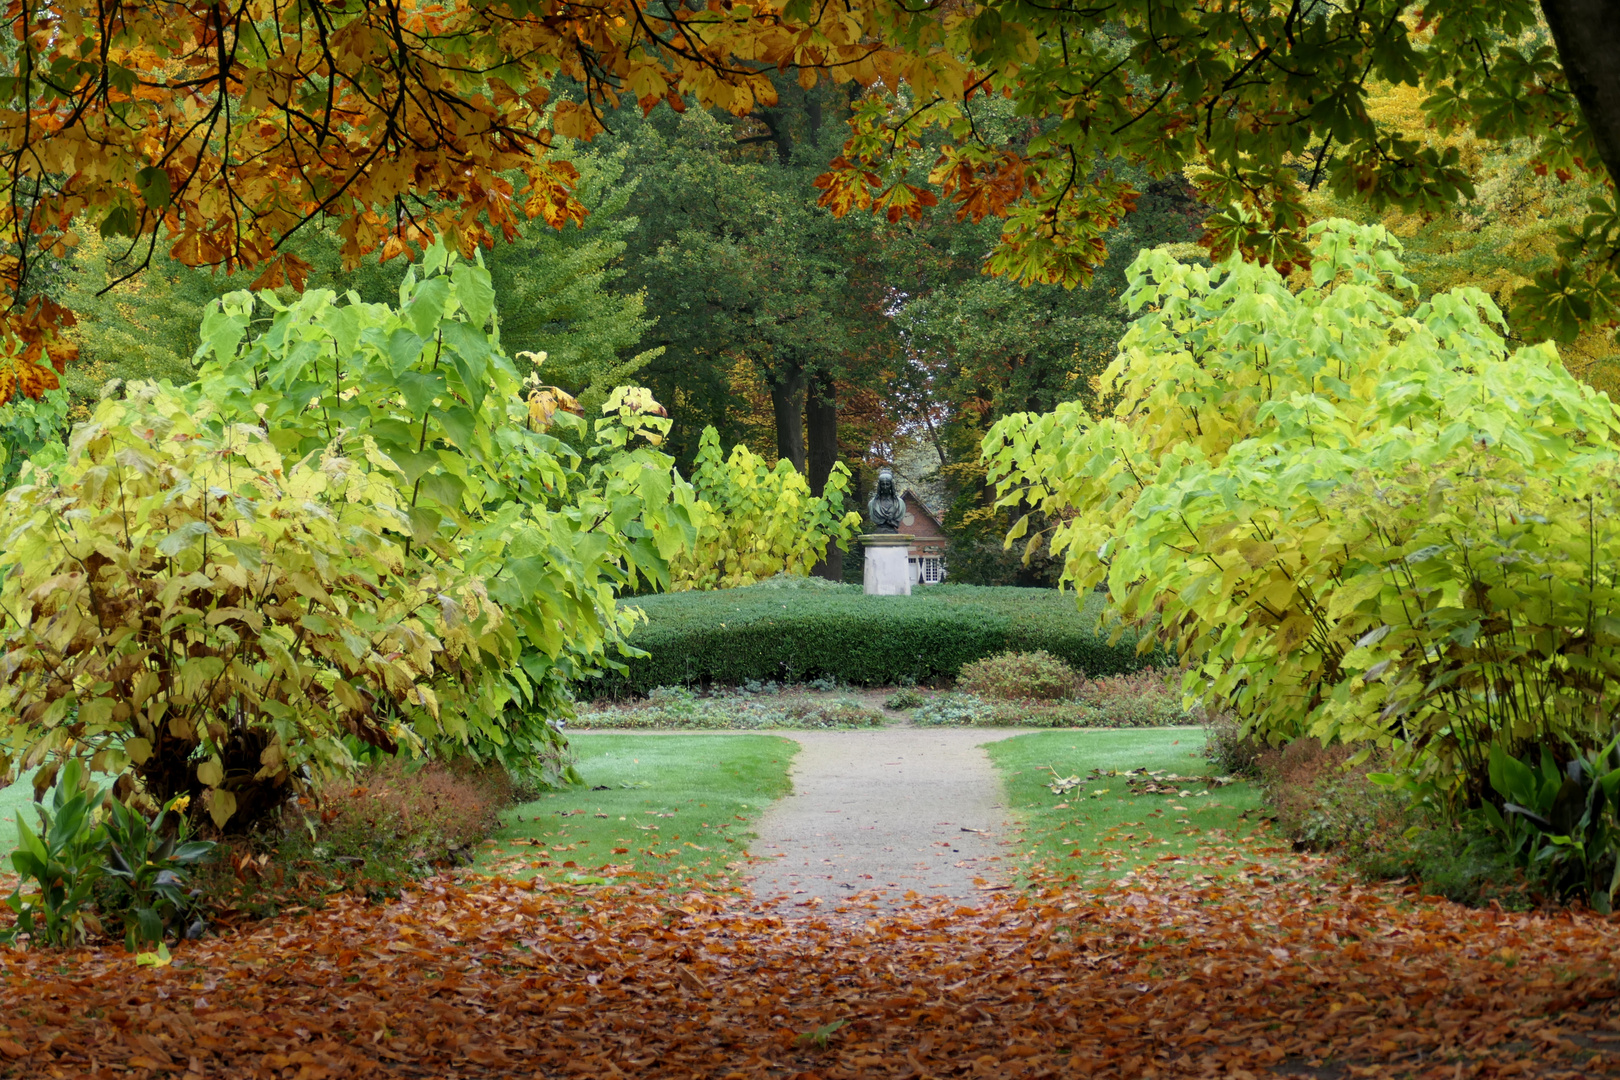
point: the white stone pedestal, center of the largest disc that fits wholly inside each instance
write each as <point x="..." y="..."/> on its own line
<point x="888" y="569"/>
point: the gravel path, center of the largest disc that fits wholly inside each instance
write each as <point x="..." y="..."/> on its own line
<point x="885" y="812"/>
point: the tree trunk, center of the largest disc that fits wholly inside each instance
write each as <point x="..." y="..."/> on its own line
<point x="787" y="402"/>
<point x="821" y="429"/>
<point x="821" y="432"/>
<point x="1587" y="33"/>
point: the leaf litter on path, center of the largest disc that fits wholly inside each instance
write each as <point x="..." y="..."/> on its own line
<point x="1277" y="973"/>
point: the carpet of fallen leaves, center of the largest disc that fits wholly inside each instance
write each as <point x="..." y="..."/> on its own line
<point x="1263" y="973"/>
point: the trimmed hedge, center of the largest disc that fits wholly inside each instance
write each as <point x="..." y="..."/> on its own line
<point x="776" y="631"/>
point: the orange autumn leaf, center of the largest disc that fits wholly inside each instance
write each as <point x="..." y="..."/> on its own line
<point x="218" y="132"/>
<point x="1275" y="968"/>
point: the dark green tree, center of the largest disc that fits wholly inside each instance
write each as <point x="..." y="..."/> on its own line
<point x="981" y="348"/>
<point x="741" y="269"/>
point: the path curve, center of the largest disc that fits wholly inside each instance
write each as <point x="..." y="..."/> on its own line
<point x="884" y="812"/>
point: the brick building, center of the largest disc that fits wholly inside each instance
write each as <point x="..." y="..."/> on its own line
<point x="927" y="552"/>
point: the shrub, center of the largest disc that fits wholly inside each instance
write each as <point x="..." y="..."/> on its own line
<point x="393" y="822"/>
<point x="753" y="521"/>
<point x="904" y="698"/>
<point x="1019" y="676"/>
<point x="360" y="527"/>
<point x="953" y="710"/>
<point x="1323" y="803"/>
<point x="1369" y="521"/>
<point x="1150" y="697"/>
<point x="227" y="616"/>
<point x="762" y="633"/>
<point x="429" y="812"/>
<point x="1230" y="750"/>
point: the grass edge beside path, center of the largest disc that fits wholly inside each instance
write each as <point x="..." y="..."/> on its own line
<point x="1103" y="831"/>
<point x="673" y="808"/>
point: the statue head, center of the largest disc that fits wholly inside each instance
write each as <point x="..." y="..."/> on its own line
<point x="886" y="510"/>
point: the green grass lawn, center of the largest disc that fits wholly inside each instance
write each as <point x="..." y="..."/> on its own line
<point x="13" y="798"/>
<point x="1107" y="831"/>
<point x="675" y="807"/>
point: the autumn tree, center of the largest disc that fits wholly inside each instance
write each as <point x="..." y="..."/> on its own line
<point x="219" y="132"/>
<point x="1499" y="239"/>
<point x="1259" y="103"/>
<point x="216" y="133"/>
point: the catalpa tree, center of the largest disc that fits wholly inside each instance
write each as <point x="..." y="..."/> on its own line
<point x="220" y="130"/>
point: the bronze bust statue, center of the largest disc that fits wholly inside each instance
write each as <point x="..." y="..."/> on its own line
<point x="886" y="509"/>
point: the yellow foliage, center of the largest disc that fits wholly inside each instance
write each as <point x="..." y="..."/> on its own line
<point x="754" y="521"/>
<point x="1495" y="241"/>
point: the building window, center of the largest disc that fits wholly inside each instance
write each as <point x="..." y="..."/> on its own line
<point x="930" y="570"/>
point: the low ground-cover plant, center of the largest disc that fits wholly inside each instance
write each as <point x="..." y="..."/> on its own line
<point x="1019" y="676"/>
<point x="150" y="864"/>
<point x="768" y="632"/>
<point x="674" y="707"/>
<point x="1560" y="823"/>
<point x="1325" y="799"/>
<point x="59" y="864"/>
<point x="953" y="710"/>
<point x="1148" y="698"/>
<point x="93" y="859"/>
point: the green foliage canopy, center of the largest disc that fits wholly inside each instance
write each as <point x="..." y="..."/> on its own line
<point x="1366" y="521"/>
<point x="754" y="521"/>
<point x="354" y="526"/>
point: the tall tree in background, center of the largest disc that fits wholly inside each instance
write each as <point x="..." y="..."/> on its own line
<point x="1497" y="240"/>
<point x="748" y="278"/>
<point x="557" y="292"/>
<point x="981" y="348"/>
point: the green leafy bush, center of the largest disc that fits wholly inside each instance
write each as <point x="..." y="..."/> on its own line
<point x="63" y="861"/>
<point x="1368" y="520"/>
<point x="904" y="698"/>
<point x="149" y="862"/>
<point x="361" y="526"/>
<point x="227" y="615"/>
<point x="1017" y="676"/>
<point x="675" y="707"/>
<point x="30" y="427"/>
<point x="762" y="632"/>
<point x="754" y="521"/>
